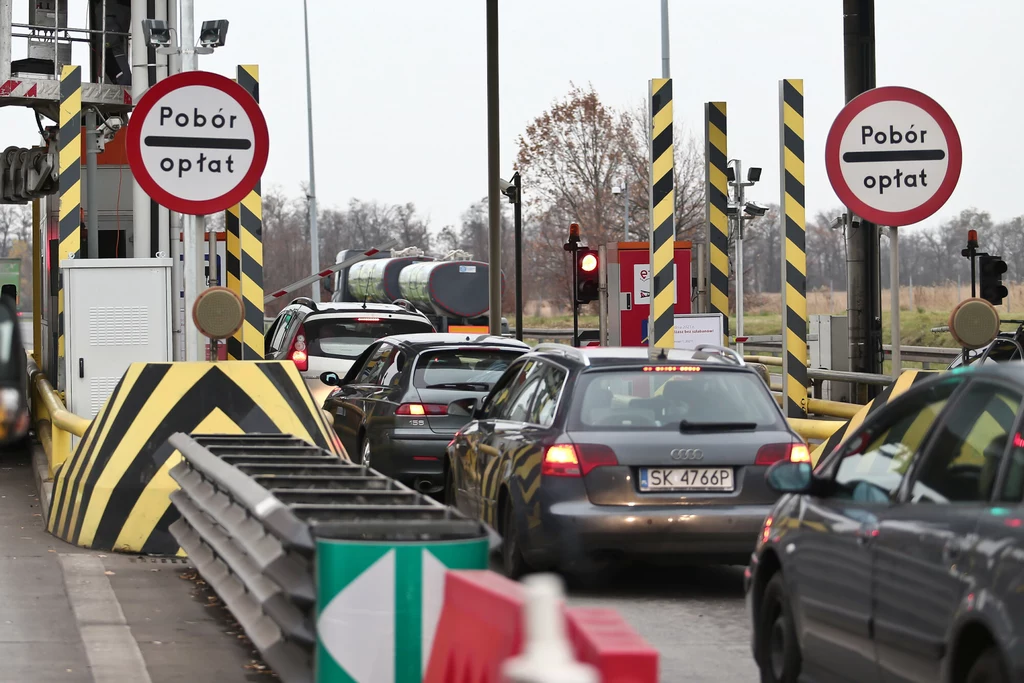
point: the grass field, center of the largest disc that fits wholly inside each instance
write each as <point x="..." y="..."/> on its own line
<point x="763" y="313"/>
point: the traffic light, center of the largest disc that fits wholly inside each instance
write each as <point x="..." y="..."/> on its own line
<point x="992" y="269"/>
<point x="586" y="275"/>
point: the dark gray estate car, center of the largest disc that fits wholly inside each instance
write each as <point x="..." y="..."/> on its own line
<point x="900" y="557"/>
<point x="392" y="407"/>
<point x="581" y="457"/>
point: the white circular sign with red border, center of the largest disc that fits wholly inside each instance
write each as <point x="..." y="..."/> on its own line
<point x="893" y="156"/>
<point x="197" y="143"/>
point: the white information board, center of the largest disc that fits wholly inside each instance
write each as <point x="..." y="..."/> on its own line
<point x="693" y="329"/>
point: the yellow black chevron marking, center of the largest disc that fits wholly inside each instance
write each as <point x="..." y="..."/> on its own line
<point x="716" y="206"/>
<point x="250" y="219"/>
<point x="233" y="271"/>
<point x="905" y="381"/>
<point x="69" y="151"/>
<point x="663" y="229"/>
<point x="112" y="494"/>
<point x="794" y="254"/>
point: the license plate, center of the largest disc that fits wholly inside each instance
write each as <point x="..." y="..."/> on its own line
<point x="687" y="479"/>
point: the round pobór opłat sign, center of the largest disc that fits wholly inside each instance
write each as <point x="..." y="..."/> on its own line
<point x="893" y="156"/>
<point x="197" y="143"/>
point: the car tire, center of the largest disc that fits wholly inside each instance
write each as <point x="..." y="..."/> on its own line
<point x="365" y="452"/>
<point x="987" y="668"/>
<point x="512" y="561"/>
<point x="777" y="646"/>
<point x="449" y="487"/>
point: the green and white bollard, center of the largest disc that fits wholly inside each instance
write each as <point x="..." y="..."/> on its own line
<point x="378" y="604"/>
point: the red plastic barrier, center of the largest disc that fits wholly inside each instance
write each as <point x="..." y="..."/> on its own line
<point x="601" y="637"/>
<point x="481" y="627"/>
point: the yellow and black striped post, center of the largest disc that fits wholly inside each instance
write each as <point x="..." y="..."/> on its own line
<point x="794" y="247"/>
<point x="661" y="327"/>
<point x="716" y="206"/>
<point x="233" y="270"/>
<point x="250" y="232"/>
<point x="69" y="147"/>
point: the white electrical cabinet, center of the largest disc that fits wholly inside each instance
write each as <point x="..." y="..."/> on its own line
<point x="117" y="312"/>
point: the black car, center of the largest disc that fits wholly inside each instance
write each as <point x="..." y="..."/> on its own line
<point x="392" y="407"/>
<point x="900" y="556"/>
<point x="582" y="457"/>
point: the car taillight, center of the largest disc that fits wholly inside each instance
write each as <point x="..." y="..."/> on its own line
<point x="298" y="350"/>
<point x="771" y="453"/>
<point x="566" y="460"/>
<point x="422" y="409"/>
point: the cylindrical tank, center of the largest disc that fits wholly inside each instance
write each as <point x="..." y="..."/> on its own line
<point x="447" y="288"/>
<point x="377" y="280"/>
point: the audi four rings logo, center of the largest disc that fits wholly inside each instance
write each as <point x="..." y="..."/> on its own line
<point x="687" y="454"/>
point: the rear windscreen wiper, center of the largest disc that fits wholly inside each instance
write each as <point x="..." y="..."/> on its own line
<point x="468" y="386"/>
<point x="686" y="426"/>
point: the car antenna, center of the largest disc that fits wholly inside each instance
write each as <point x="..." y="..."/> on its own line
<point x="662" y="354"/>
<point x="365" y="297"/>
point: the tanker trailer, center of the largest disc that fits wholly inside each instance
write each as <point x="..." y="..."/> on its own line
<point x="447" y="289"/>
<point x="377" y="280"/>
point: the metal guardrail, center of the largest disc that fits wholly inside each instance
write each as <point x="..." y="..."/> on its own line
<point x="252" y="508"/>
<point x="911" y="354"/>
<point x="54" y="423"/>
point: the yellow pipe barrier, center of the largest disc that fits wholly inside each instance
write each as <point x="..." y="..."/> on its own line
<point x="60" y="423"/>
<point x="819" y="406"/>
<point x="819" y="430"/>
<point x="764" y="360"/>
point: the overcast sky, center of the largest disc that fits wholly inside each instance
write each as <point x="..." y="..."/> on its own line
<point x="399" y="87"/>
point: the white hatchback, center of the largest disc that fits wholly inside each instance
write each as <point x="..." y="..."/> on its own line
<point x="329" y="336"/>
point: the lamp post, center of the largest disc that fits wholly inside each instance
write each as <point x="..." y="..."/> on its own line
<point x="737" y="211"/>
<point x="314" y="233"/>
<point x="624" y="191"/>
<point x="212" y="35"/>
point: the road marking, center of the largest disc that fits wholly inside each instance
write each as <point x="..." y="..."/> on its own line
<point x="113" y="654"/>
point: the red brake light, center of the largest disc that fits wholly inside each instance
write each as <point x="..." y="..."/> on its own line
<point x="560" y="461"/>
<point x="298" y="350"/>
<point x="671" y="368"/>
<point x="566" y="460"/>
<point x="367" y="320"/>
<point x="771" y="453"/>
<point x="422" y="409"/>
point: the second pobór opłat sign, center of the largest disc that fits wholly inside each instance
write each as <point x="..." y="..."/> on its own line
<point x="197" y="143"/>
<point x="893" y="156"/>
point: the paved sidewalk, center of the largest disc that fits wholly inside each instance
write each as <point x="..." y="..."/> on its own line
<point x="72" y="615"/>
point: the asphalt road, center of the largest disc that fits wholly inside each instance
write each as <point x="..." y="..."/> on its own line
<point x="694" y="616"/>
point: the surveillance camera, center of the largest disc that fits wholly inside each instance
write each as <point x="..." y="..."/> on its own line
<point x="838" y="222"/>
<point x="114" y="123"/>
<point x="755" y="209"/>
<point x="504" y="185"/>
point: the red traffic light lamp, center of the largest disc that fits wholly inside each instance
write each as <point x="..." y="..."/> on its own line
<point x="587" y="276"/>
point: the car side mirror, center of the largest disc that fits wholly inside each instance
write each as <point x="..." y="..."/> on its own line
<point x="331" y="379"/>
<point x="790" y="477"/>
<point x="464" y="407"/>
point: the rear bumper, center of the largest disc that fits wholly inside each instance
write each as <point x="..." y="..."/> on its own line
<point x="409" y="456"/>
<point x="713" y="533"/>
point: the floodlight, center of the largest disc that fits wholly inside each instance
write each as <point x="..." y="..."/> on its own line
<point x="156" y="33"/>
<point x="213" y="33"/>
<point x="753" y="174"/>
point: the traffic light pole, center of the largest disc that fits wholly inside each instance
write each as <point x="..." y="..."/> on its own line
<point x="575" y="298"/>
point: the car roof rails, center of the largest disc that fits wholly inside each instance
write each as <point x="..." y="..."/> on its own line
<point x="408" y="306"/>
<point x="305" y="301"/>
<point x="563" y="350"/>
<point x="725" y="352"/>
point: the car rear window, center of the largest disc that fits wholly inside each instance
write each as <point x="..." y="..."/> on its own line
<point x="661" y="397"/>
<point x="336" y="337"/>
<point x="473" y="369"/>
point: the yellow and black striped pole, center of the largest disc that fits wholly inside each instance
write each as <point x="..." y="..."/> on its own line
<point x="69" y="146"/>
<point x="250" y="221"/>
<point x="233" y="270"/>
<point x="794" y="245"/>
<point x="661" y="327"/>
<point x="716" y="206"/>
